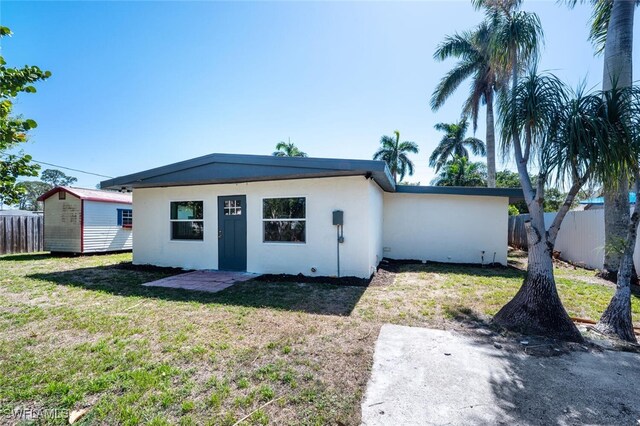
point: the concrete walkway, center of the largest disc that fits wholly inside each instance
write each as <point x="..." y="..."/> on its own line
<point x="434" y="377"/>
<point x="211" y="281"/>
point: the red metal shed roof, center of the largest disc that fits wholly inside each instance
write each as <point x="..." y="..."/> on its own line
<point x="90" y="194"/>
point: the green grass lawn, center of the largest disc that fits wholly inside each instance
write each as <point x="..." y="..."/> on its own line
<point x="82" y="332"/>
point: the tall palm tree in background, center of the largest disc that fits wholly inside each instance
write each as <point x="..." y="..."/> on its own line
<point x="612" y="34"/>
<point x="454" y="144"/>
<point x="288" y="149"/>
<point x="394" y="153"/>
<point x="472" y="48"/>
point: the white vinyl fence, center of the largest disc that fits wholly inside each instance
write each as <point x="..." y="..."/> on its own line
<point x="581" y="237"/>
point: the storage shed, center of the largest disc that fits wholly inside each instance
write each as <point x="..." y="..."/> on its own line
<point x="80" y="220"/>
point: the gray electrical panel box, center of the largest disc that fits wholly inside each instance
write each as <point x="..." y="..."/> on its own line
<point x="338" y="217"/>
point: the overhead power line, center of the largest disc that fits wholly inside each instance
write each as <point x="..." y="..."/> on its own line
<point x="69" y="168"/>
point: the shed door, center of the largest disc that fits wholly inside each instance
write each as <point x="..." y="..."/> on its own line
<point x="232" y="233"/>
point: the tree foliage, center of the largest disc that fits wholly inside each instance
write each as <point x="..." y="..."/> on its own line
<point x="473" y="49"/>
<point x="12" y="167"/>
<point x="55" y="177"/>
<point x="454" y="144"/>
<point x="395" y="154"/>
<point x="288" y="149"/>
<point x="600" y="17"/>
<point x="14" y="128"/>
<point x="31" y="190"/>
<point x="461" y="172"/>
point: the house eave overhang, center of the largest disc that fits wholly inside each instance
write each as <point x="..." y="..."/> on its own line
<point x="231" y="168"/>
<point x="514" y="194"/>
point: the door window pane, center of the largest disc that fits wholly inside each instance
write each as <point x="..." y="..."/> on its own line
<point x="232" y="207"/>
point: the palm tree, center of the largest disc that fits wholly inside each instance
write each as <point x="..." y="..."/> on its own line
<point x="571" y="138"/>
<point x="612" y="34"/>
<point x="454" y="144"/>
<point x="473" y="50"/>
<point x="622" y="111"/>
<point x="461" y="172"/>
<point x="394" y="153"/>
<point x="530" y="114"/>
<point x="288" y="149"/>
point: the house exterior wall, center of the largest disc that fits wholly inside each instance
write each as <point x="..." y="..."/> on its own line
<point x="376" y="220"/>
<point x="445" y="228"/>
<point x="101" y="230"/>
<point x="62" y="224"/>
<point x="362" y="206"/>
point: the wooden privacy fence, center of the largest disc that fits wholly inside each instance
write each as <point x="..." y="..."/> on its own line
<point x="21" y="234"/>
<point x="517" y="232"/>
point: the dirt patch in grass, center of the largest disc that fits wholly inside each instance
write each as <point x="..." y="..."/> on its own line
<point x="287" y="278"/>
<point x="129" y="266"/>
<point x="385" y="276"/>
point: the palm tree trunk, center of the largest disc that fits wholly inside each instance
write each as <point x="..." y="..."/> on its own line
<point x="616" y="319"/>
<point x="616" y="221"/>
<point x="618" y="71"/>
<point x="536" y="308"/>
<point x="491" y="145"/>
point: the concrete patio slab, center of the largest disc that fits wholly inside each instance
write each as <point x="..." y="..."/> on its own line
<point x="435" y="377"/>
<point x="210" y="281"/>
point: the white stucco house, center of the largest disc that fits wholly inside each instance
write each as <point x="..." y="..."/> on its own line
<point x="81" y="220"/>
<point x="311" y="216"/>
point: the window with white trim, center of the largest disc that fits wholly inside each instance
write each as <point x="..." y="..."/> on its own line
<point x="125" y="218"/>
<point x="284" y="220"/>
<point x="187" y="220"/>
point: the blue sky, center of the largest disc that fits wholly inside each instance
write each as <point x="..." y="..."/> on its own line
<point x="142" y="84"/>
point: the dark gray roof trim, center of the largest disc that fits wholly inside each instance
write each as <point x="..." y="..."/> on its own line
<point x="236" y="168"/>
<point x="514" y="194"/>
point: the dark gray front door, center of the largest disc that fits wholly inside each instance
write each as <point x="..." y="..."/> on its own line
<point x="232" y="233"/>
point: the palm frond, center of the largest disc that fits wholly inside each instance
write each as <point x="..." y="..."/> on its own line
<point x="537" y="99"/>
<point x="600" y="17"/>
<point x="450" y="82"/>
<point x="457" y="46"/>
<point x="477" y="146"/>
<point x="394" y="153"/>
<point x="443" y="127"/>
<point x="408" y="146"/>
<point x="480" y="89"/>
<point x="518" y="34"/>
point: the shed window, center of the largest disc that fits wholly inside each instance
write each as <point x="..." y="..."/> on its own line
<point x="125" y="218"/>
<point x="187" y="220"/>
<point x="62" y="195"/>
<point x="284" y="220"/>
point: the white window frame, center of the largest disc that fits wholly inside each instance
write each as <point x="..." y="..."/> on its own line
<point x="297" y="243"/>
<point x="181" y="240"/>
<point x="128" y="217"/>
